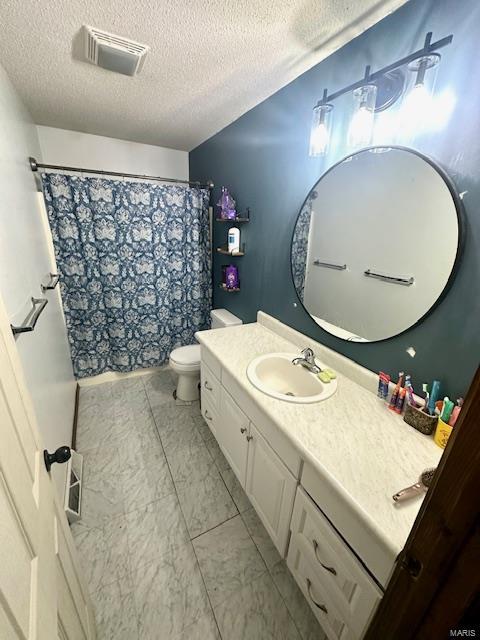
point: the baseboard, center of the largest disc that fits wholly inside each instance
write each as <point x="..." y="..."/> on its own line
<point x="75" y="417"/>
<point x="113" y="376"/>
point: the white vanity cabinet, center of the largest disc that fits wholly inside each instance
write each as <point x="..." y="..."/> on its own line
<point x="271" y="489"/>
<point x="285" y="493"/>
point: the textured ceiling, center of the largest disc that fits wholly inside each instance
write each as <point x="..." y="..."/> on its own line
<point x="210" y="60"/>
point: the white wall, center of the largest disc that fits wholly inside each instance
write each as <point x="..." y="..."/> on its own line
<point x="75" y="149"/>
<point x="25" y="262"/>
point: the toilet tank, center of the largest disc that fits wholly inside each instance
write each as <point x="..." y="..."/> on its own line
<point x="223" y="318"/>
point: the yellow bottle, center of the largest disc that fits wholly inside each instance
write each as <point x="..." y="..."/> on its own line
<point x="442" y="433"/>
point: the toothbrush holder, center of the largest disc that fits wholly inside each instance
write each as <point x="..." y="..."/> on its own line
<point x="420" y="420"/>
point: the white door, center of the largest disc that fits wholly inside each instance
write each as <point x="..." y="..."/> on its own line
<point x="232" y="434"/>
<point x="42" y="595"/>
<point x="271" y="489"/>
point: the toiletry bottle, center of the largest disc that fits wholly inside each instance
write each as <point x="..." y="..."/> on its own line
<point x="434" y="396"/>
<point x="383" y="382"/>
<point x="232" y="280"/>
<point x="396" y="391"/>
<point x="400" y="400"/>
<point x="233" y="240"/>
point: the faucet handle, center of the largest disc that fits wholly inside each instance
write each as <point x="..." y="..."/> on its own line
<point x="309" y="355"/>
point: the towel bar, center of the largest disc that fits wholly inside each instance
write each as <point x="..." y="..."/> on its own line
<point x="330" y="265"/>
<point x="54" y="280"/>
<point x="42" y="303"/>
<point x="406" y="282"/>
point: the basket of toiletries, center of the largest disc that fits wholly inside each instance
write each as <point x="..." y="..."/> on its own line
<point x="419" y="420"/>
<point x="431" y="415"/>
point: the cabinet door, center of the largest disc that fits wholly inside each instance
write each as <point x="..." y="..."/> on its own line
<point x="232" y="435"/>
<point x="271" y="489"/>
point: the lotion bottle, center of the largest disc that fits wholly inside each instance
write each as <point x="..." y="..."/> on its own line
<point x="233" y="240"/>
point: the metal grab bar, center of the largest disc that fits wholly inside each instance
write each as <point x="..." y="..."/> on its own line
<point x="54" y="280"/>
<point x="42" y="303"/>
<point x="406" y="282"/>
<point x="330" y="265"/>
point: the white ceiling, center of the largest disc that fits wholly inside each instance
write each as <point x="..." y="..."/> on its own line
<point x="210" y="60"/>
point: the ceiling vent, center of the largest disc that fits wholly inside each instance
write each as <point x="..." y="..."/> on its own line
<point x="113" y="52"/>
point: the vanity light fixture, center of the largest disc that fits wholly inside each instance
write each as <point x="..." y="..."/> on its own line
<point x="368" y="99"/>
<point x="321" y="127"/>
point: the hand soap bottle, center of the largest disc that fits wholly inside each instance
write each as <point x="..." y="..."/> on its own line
<point x="233" y="240"/>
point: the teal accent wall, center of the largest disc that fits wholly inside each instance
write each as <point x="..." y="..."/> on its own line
<point x="263" y="158"/>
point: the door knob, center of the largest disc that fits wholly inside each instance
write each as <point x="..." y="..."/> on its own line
<point x="62" y="454"/>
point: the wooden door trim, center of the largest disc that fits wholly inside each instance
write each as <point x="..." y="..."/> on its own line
<point x="441" y="535"/>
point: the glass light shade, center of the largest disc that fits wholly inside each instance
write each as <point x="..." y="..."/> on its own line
<point x="418" y="107"/>
<point x="321" y="129"/>
<point x="361" y="126"/>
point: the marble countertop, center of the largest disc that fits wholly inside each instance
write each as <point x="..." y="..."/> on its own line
<point x="366" y="452"/>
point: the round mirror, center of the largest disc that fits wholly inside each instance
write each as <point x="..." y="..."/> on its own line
<point x="375" y="243"/>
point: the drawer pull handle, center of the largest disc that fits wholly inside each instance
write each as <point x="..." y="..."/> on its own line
<point x="330" y="569"/>
<point x="242" y="430"/>
<point x="249" y="438"/>
<point x="207" y="416"/>
<point x="205" y="384"/>
<point x="322" y="607"/>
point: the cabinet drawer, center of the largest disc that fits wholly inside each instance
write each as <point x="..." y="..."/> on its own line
<point x="210" y="415"/>
<point x="351" y="588"/>
<point x="376" y="553"/>
<point x="300" y="562"/>
<point x="210" y="386"/>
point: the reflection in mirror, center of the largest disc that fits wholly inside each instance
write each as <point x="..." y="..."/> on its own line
<point x="375" y="243"/>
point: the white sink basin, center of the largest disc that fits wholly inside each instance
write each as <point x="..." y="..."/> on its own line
<point x="275" y="375"/>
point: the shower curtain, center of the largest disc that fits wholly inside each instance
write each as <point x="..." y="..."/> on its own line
<point x="134" y="261"/>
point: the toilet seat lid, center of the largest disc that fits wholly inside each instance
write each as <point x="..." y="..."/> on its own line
<point x="186" y="355"/>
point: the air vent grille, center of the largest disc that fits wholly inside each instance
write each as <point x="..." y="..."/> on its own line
<point x="114" y="52"/>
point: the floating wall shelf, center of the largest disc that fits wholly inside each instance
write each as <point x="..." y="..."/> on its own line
<point x="233" y="219"/>
<point x="225" y="252"/>
<point x="224" y="288"/>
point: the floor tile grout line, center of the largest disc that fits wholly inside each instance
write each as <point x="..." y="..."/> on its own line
<point x="188" y="532"/>
<point x="272" y="578"/>
<point x="238" y="514"/>
<point x="213" y="528"/>
<point x="206" y="590"/>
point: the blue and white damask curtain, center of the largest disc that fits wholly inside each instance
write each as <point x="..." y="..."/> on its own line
<point x="134" y="261"/>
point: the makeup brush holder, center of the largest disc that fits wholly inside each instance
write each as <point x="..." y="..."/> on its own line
<point x="420" y="420"/>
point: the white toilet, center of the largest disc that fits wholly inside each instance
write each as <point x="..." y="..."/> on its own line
<point x="185" y="361"/>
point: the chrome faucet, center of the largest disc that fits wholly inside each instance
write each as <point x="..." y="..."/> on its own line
<point x="308" y="361"/>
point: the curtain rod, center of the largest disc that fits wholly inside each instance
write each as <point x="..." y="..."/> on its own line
<point x="35" y="166"/>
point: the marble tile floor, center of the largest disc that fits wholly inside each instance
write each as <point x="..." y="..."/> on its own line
<point x="170" y="545"/>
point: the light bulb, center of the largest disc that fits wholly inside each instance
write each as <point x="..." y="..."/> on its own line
<point x="360" y="131"/>
<point x="361" y="125"/>
<point x="417" y="109"/>
<point x="320" y="131"/>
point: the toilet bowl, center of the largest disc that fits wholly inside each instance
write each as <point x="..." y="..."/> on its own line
<point x="185" y="361"/>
